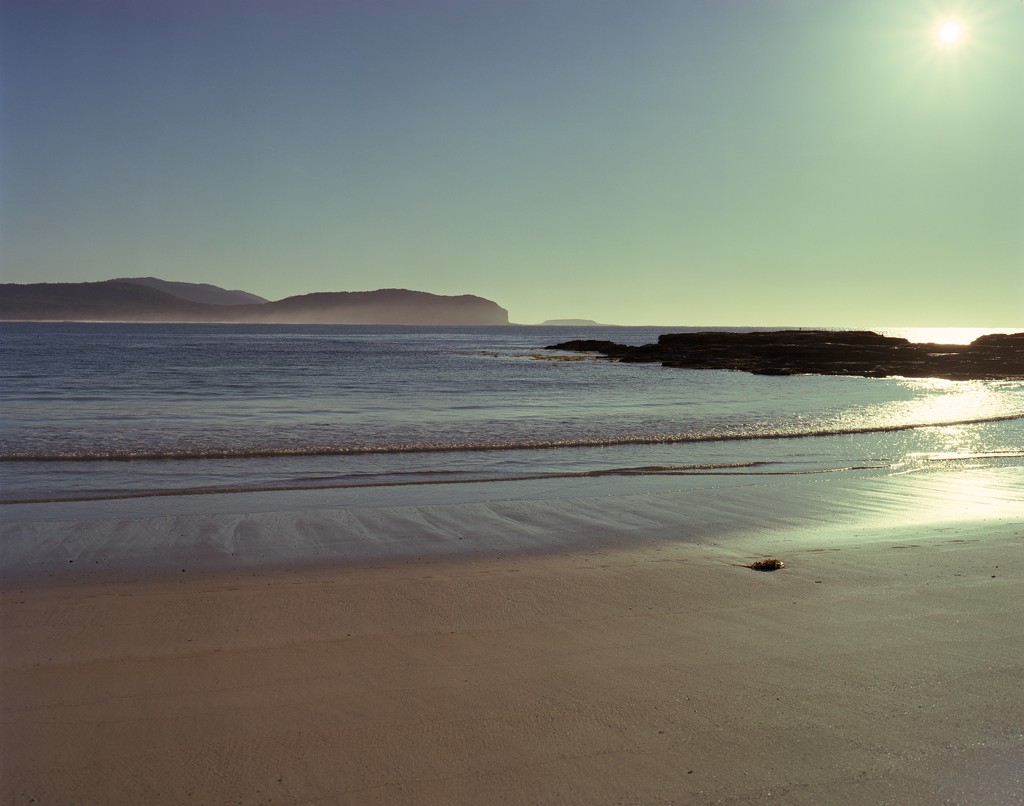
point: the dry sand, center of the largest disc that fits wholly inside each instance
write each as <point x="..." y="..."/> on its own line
<point x="882" y="665"/>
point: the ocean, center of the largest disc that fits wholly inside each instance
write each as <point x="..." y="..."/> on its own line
<point x="114" y="411"/>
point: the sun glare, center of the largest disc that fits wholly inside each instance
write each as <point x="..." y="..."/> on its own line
<point x="950" y="33"/>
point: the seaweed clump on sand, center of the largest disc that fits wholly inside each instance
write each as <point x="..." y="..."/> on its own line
<point x="767" y="564"/>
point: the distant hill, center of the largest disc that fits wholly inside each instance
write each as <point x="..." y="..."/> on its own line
<point x="196" y="292"/>
<point x="386" y="306"/>
<point x="569" y="322"/>
<point x="130" y="301"/>
<point x="105" y="301"/>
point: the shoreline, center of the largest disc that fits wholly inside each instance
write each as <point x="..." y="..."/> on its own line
<point x="884" y="670"/>
<point x="162" y="537"/>
<point x="634" y="660"/>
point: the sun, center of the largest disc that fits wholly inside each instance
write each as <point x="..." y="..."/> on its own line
<point x="950" y="33"/>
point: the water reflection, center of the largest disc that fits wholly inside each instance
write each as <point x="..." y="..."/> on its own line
<point x="942" y="335"/>
<point x="950" y="404"/>
<point x="975" y="493"/>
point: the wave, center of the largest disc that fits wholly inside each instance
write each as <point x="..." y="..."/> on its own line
<point x="266" y="452"/>
<point x="965" y="457"/>
<point x="913" y="463"/>
<point x="737" y="468"/>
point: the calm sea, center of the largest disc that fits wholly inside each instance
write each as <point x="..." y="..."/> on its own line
<point x="92" y="411"/>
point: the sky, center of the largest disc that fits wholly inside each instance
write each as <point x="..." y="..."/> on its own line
<point x="711" y="162"/>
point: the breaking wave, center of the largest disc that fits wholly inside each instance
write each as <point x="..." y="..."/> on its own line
<point x="735" y="435"/>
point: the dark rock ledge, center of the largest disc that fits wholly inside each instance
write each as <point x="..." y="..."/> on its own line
<point x="822" y="352"/>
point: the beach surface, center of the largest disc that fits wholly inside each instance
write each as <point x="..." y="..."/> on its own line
<point x="604" y="644"/>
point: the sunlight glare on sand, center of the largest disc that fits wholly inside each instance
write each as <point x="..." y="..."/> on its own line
<point x="974" y="494"/>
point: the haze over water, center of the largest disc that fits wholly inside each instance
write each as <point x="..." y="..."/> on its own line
<point x="101" y="411"/>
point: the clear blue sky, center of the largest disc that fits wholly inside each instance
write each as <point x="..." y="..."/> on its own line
<point x="639" y="162"/>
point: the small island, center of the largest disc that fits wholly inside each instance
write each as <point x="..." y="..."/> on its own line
<point x="570" y="323"/>
<point x="822" y="352"/>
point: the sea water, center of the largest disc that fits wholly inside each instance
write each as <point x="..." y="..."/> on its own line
<point x="106" y="411"/>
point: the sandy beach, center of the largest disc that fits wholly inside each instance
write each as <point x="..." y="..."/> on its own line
<point x="883" y="664"/>
<point x="398" y="397"/>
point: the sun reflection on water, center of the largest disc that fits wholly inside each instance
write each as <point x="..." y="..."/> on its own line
<point x="942" y="335"/>
<point x="949" y="405"/>
<point x="941" y="401"/>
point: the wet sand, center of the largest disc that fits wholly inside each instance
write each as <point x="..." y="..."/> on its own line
<point x="882" y="665"/>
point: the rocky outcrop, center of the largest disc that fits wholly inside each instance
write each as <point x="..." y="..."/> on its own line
<point x="822" y="352"/>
